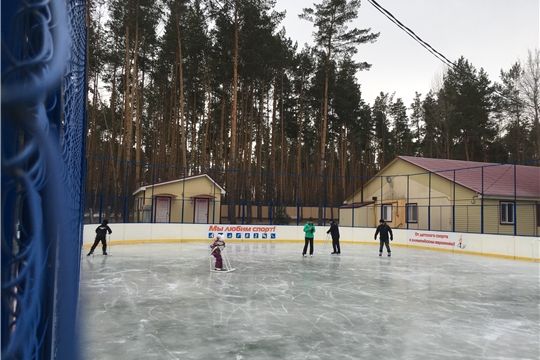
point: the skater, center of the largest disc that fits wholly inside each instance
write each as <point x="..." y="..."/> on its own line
<point x="309" y="229"/>
<point x="101" y="233"/>
<point x="334" y="231"/>
<point x="217" y="246"/>
<point x="384" y="230"/>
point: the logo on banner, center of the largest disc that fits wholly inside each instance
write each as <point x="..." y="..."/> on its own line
<point x="461" y="243"/>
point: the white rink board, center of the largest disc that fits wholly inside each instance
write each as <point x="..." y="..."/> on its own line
<point x="481" y="244"/>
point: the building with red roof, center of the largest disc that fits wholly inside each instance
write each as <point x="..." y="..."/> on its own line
<point x="193" y="199"/>
<point x="449" y="195"/>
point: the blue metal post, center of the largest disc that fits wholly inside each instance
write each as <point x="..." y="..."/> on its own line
<point x="381" y="210"/>
<point x="184" y="196"/>
<point x="126" y="193"/>
<point x="429" y="204"/>
<point x="515" y="199"/>
<point x="407" y="209"/>
<point x="454" y="205"/>
<point x="101" y="191"/>
<point x="482" y="205"/>
<point x="152" y="199"/>
<point x="243" y="212"/>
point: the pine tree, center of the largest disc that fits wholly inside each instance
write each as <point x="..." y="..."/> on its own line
<point x="417" y="123"/>
<point x="401" y="133"/>
<point x="469" y="96"/>
<point x="333" y="38"/>
<point x="510" y="108"/>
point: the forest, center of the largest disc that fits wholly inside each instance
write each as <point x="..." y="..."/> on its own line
<point x="183" y="87"/>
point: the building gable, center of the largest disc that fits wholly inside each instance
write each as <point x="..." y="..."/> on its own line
<point x="175" y="183"/>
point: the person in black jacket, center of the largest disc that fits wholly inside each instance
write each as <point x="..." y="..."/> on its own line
<point x="101" y="233"/>
<point x="384" y="230"/>
<point x="334" y="231"/>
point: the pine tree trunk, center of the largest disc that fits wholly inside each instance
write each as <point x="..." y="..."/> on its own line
<point x="232" y="166"/>
<point x="299" y="145"/>
<point x="273" y="146"/>
<point x="138" y="105"/>
<point x="466" y="145"/>
<point x="342" y="157"/>
<point x="258" y="149"/>
<point x="128" y="116"/>
<point x="183" y="126"/>
<point x="282" y="145"/>
<point x="171" y="121"/>
<point x="111" y="179"/>
<point x="323" y="135"/>
<point x="206" y="121"/>
<point x="248" y="196"/>
<point x="220" y="159"/>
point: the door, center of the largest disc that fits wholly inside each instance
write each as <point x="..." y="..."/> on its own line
<point x="201" y="211"/>
<point x="163" y="206"/>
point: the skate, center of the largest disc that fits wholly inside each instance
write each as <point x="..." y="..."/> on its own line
<point x="105" y="253"/>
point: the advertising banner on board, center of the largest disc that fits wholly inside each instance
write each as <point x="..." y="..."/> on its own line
<point x="437" y="239"/>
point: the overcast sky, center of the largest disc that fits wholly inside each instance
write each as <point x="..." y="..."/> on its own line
<point x="491" y="34"/>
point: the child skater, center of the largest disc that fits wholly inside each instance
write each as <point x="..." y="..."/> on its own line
<point x="216" y="246"/>
<point x="101" y="233"/>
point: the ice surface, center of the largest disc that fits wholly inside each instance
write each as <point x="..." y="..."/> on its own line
<point x="160" y="301"/>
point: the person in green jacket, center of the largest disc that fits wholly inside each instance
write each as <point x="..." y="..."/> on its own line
<point x="309" y="229"/>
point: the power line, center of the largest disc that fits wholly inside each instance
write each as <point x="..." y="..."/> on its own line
<point x="428" y="47"/>
<point x="412" y="34"/>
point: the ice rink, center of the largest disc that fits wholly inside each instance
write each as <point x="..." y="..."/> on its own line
<point x="160" y="301"/>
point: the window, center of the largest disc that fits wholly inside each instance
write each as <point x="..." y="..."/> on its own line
<point x="507" y="212"/>
<point x="386" y="213"/>
<point x="411" y="211"/>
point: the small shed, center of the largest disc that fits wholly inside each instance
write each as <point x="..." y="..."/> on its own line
<point x="194" y="200"/>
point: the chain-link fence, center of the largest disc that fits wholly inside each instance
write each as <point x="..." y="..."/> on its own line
<point x="43" y="133"/>
<point x="490" y="199"/>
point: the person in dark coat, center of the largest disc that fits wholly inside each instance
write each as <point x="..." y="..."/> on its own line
<point x="334" y="231"/>
<point x="101" y="235"/>
<point x="384" y="230"/>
